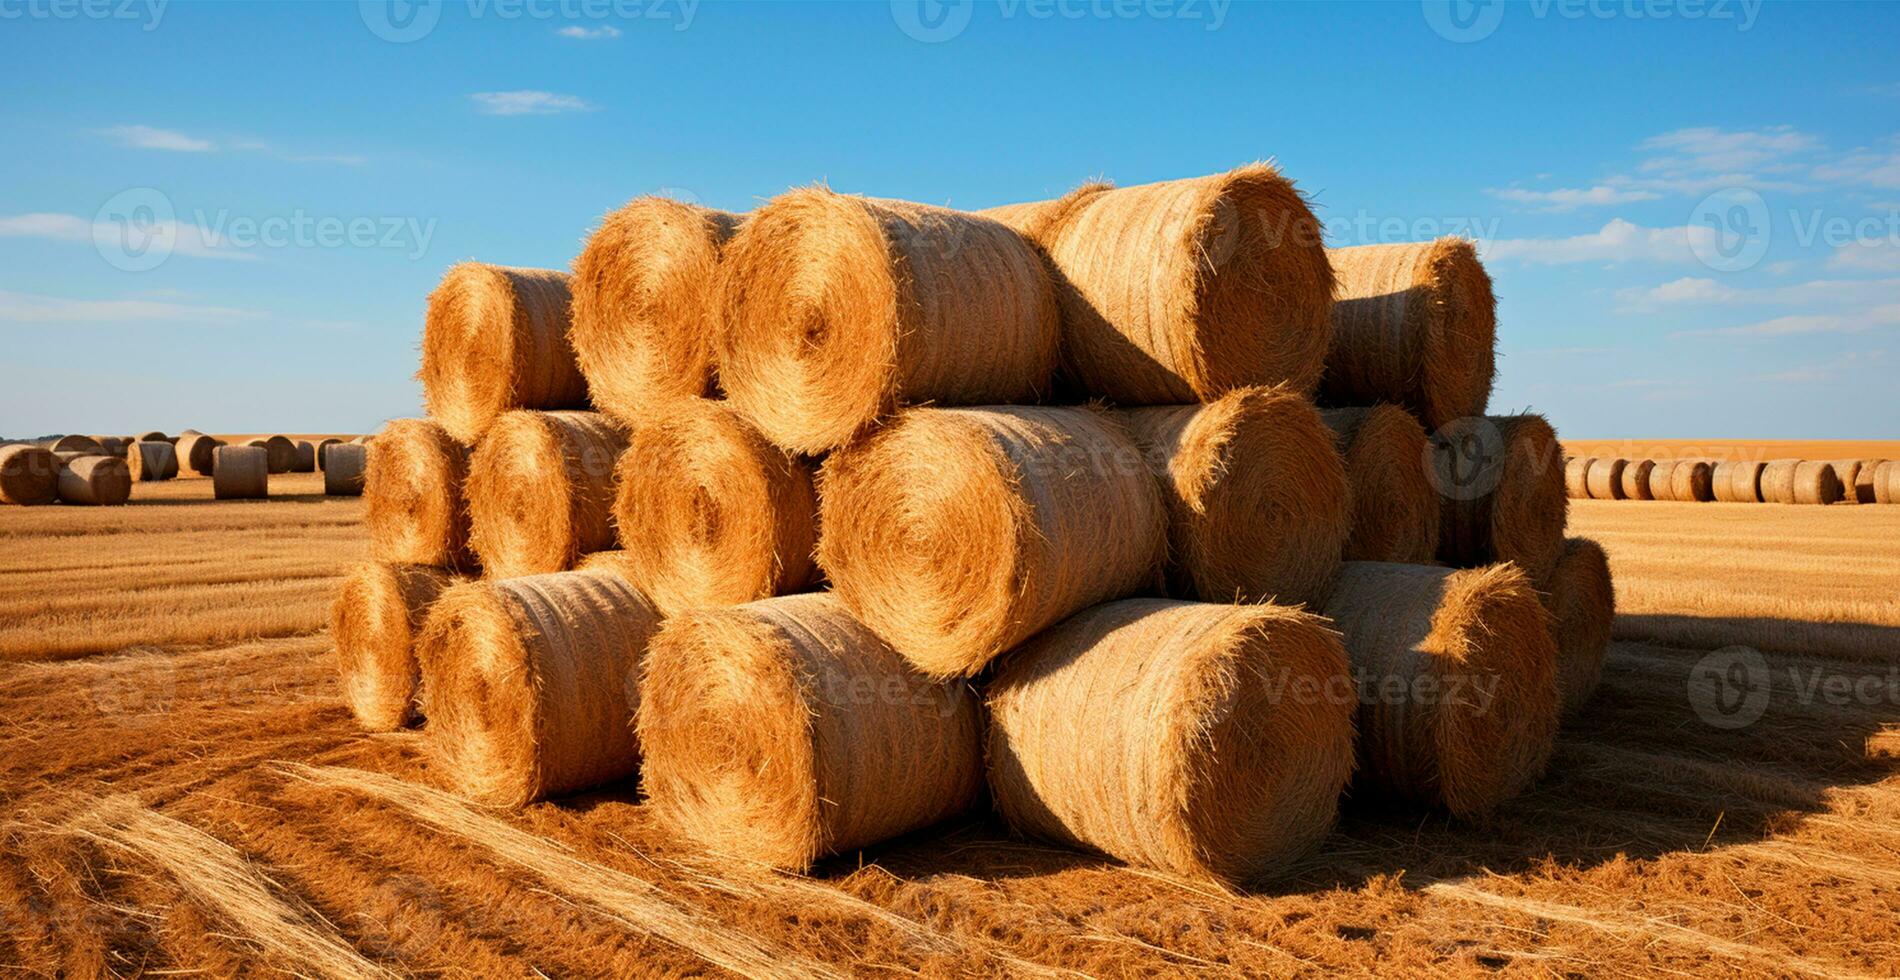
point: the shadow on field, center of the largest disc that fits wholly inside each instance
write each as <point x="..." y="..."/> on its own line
<point x="1858" y="641"/>
<point x="275" y="498"/>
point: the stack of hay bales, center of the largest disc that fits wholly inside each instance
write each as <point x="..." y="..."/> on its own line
<point x="765" y="509"/>
<point x="1780" y="481"/>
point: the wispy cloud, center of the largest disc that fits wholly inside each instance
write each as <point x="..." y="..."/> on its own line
<point x="1572" y="198"/>
<point x="1617" y="241"/>
<point x="1709" y="149"/>
<point x="185" y="239"/>
<point x="1873" y="167"/>
<point x="527" y="102"/>
<point x="152" y="138"/>
<point x="34" y="308"/>
<point x="578" y="33"/>
<point x="1855" y="321"/>
<point x="1873" y="255"/>
<point x="1691" y="291"/>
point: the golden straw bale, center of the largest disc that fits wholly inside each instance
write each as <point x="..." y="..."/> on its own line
<point x="525" y="684"/>
<point x="417" y="511"/>
<point x="1502" y="489"/>
<point x="1037" y="220"/>
<point x="377" y="614"/>
<point x="29" y="474"/>
<point x="1864" y="475"/>
<point x="95" y="479"/>
<point x="1887" y="482"/>
<point x="1605" y="479"/>
<point x="114" y="445"/>
<point x="1800" y="481"/>
<point x="152" y="436"/>
<point x="75" y="444"/>
<point x="1661" y="479"/>
<point x="1458" y="680"/>
<point x="1736" y="481"/>
<point x="646" y="304"/>
<point x="1582" y="603"/>
<point x="838" y="309"/>
<point x="1577" y="477"/>
<point x="1202" y="739"/>
<point x="710" y="513"/>
<point x="151" y="460"/>
<point x="306" y="458"/>
<point x="495" y="339"/>
<point x="240" y="472"/>
<point x="1635" y="479"/>
<point x="1415" y="324"/>
<point x="344" y="476"/>
<point x="66" y="457"/>
<point x="784" y="730"/>
<point x="1258" y="504"/>
<point x="1394" y="505"/>
<point x="194" y="453"/>
<point x="1692" y="480"/>
<point x="957" y="533"/>
<point x="541" y="490"/>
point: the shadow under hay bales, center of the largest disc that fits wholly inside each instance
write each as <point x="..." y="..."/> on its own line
<point x="1848" y="641"/>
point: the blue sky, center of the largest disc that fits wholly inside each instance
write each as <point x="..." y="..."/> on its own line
<point x="1691" y="211"/>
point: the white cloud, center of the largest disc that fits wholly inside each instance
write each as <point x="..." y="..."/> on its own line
<point x="1872" y="167"/>
<point x="1855" y="321"/>
<point x="185" y="239"/>
<point x="589" y="33"/>
<point x="150" y="138"/>
<point x="527" y="102"/>
<point x="1874" y="255"/>
<point x="1708" y="149"/>
<point x="1618" y="241"/>
<point x="33" y="308"/>
<point x="1571" y="198"/>
<point x="1690" y="291"/>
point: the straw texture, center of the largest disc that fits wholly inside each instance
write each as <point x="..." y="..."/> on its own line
<point x="1394" y="506"/>
<point x="1258" y="503"/>
<point x="1502" y="493"/>
<point x="95" y="479"/>
<point x="1605" y="479"/>
<point x="495" y="339"/>
<point x="194" y="453"/>
<point x="417" y="512"/>
<point x="1692" y="481"/>
<point x="1800" y="481"/>
<point x="29" y="475"/>
<point x="1864" y="480"/>
<point x="1635" y="479"/>
<point x="838" y="309"/>
<point x="1887" y="483"/>
<point x="784" y="730"/>
<point x="1582" y="603"/>
<point x="957" y="533"/>
<point x="1661" y="484"/>
<point x="343" y="473"/>
<point x="1207" y="740"/>
<point x="377" y="614"/>
<point x="1737" y="481"/>
<point x="1576" y="477"/>
<point x="240" y="472"/>
<point x="1848" y="472"/>
<point x="541" y="491"/>
<point x="152" y="460"/>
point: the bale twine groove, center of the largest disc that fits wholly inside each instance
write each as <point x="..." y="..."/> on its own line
<point x="784" y="730"/>
<point x="540" y="491"/>
<point x="1605" y="479"/>
<point x="957" y="533"/>
<point x="343" y="477"/>
<point x="1581" y="599"/>
<point x="240" y="473"/>
<point x="1501" y="488"/>
<point x="377" y="614"/>
<point x="95" y="479"/>
<point x="152" y="460"/>
<point x="1635" y="479"/>
<point x="1692" y="481"/>
<point x="29" y="475"/>
<point x="1394" y="506"/>
<point x="1737" y="481"/>
<point x="710" y="513"/>
<point x="1202" y="739"/>
<point x="1864" y="480"/>
<point x="525" y="684"/>
<point x="194" y="453"/>
<point x="416" y="509"/>
<point x="1800" y="481"/>
<point x="495" y="339"/>
<point x="1258" y="504"/>
<point x="306" y="457"/>
<point x="1577" y="477"/>
<point x="839" y="309"/>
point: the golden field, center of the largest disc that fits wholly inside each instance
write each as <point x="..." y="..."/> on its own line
<point x="184" y="791"/>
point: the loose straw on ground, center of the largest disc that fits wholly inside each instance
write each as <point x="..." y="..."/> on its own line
<point x="1395" y="510"/>
<point x="540" y="491"/>
<point x="417" y="511"/>
<point x="495" y="339"/>
<point x="374" y="621"/>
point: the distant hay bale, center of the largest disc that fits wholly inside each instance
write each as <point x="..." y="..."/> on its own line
<point x="495" y="339"/>
<point x="1577" y="477"/>
<point x="416" y="509"/>
<point x="1887" y="482"/>
<point x="1394" y="505"/>
<point x="323" y="445"/>
<point x="1736" y="481"/>
<point x="646" y="304"/>
<point x="194" y="452"/>
<point x="710" y="513"/>
<point x="1605" y="479"/>
<point x="540" y="491"/>
<point x="29" y="475"/>
<point x="1864" y="480"/>
<point x="839" y="309"/>
<point x="1258" y="504"/>
<point x="525" y="684"/>
<point x="1502" y="488"/>
<point x="1661" y="485"/>
<point x="1208" y="740"/>
<point x="957" y="533"/>
<point x="1182" y="290"/>
<point x="1800" y="481"/>
<point x="306" y="459"/>
<point x="1848" y="472"/>
<point x="343" y="477"/>
<point x="240" y="472"/>
<point x="280" y="453"/>
<point x="75" y="444"/>
<point x="152" y="460"/>
<point x="1582" y="603"/>
<point x="152" y="436"/>
<point x="1635" y="479"/>
<point x="95" y="479"/>
<point x="1692" y="481"/>
<point x="377" y="614"/>
<point x="1414" y="324"/>
<point x="113" y="445"/>
<point x="1458" y="678"/>
<point x="64" y="457"/>
<point x="784" y="730"/>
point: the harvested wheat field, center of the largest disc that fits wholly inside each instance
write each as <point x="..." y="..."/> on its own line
<point x="185" y="791"/>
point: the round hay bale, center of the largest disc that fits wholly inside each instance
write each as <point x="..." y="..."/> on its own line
<point x="152" y="436"/>
<point x="66" y="457"/>
<point x="1577" y="477"/>
<point x="344" y="476"/>
<point x="1864" y="478"/>
<point x="1203" y="739"/>
<point x="1800" y="481"/>
<point x="541" y="491"/>
<point x="1887" y="482"/>
<point x="1582" y="603"/>
<point x="1736" y="481"/>
<point x="95" y="479"/>
<point x="322" y="445"/>
<point x="1258" y="504"/>
<point x="1036" y="220"/>
<point x="280" y="453"/>
<point x="495" y="339"/>
<point x="1605" y="479"/>
<point x="1414" y="324"/>
<point x="1848" y="472"/>
<point x="29" y="475"/>
<point x="1502" y="493"/>
<point x="646" y="304"/>
<point x="152" y="460"/>
<point x="114" y="445"/>
<point x="710" y="513"/>
<point x="416" y="510"/>
<point x="1394" y="507"/>
<point x="306" y="457"/>
<point x="525" y="684"/>
<point x="1661" y="479"/>
<point x="1692" y="481"/>
<point x="957" y="533"/>
<point x="839" y="309"/>
<point x="240" y="472"/>
<point x="377" y="614"/>
<point x="1457" y="675"/>
<point x="1183" y="290"/>
<point x="194" y="451"/>
<point x="75" y="444"/>
<point x="784" y="730"/>
<point x="1635" y="479"/>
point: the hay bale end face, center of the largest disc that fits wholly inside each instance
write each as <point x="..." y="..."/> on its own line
<point x="97" y="480"/>
<point x="839" y="309"/>
<point x="1661" y="482"/>
<point x="957" y="533"/>
<point x="495" y="339"/>
<point x="343" y="477"/>
<point x="1257" y="498"/>
<point x="417" y="510"/>
<point x="322" y="446"/>
<point x="1737" y="481"/>
<point x="1799" y="481"/>
<point x="280" y="453"/>
<point x="525" y="684"/>
<point x="1692" y="481"/>
<point x="194" y="451"/>
<point x="1203" y="739"/>
<point x="152" y="460"/>
<point x="306" y="457"/>
<point x="1395" y="510"/>
<point x="1501" y="487"/>
<point x="1605" y="479"/>
<point x="1576" y="477"/>
<point x="240" y="472"/>
<point x="378" y="612"/>
<point x="1887" y="482"/>
<point x="1582" y="601"/>
<point x="1635" y="479"/>
<point x="29" y="475"/>
<point x="784" y="730"/>
<point x="541" y="490"/>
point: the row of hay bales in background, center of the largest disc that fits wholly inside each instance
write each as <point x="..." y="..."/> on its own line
<point x="685" y="514"/>
<point x="1775" y="481"/>
<point x="101" y="470"/>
